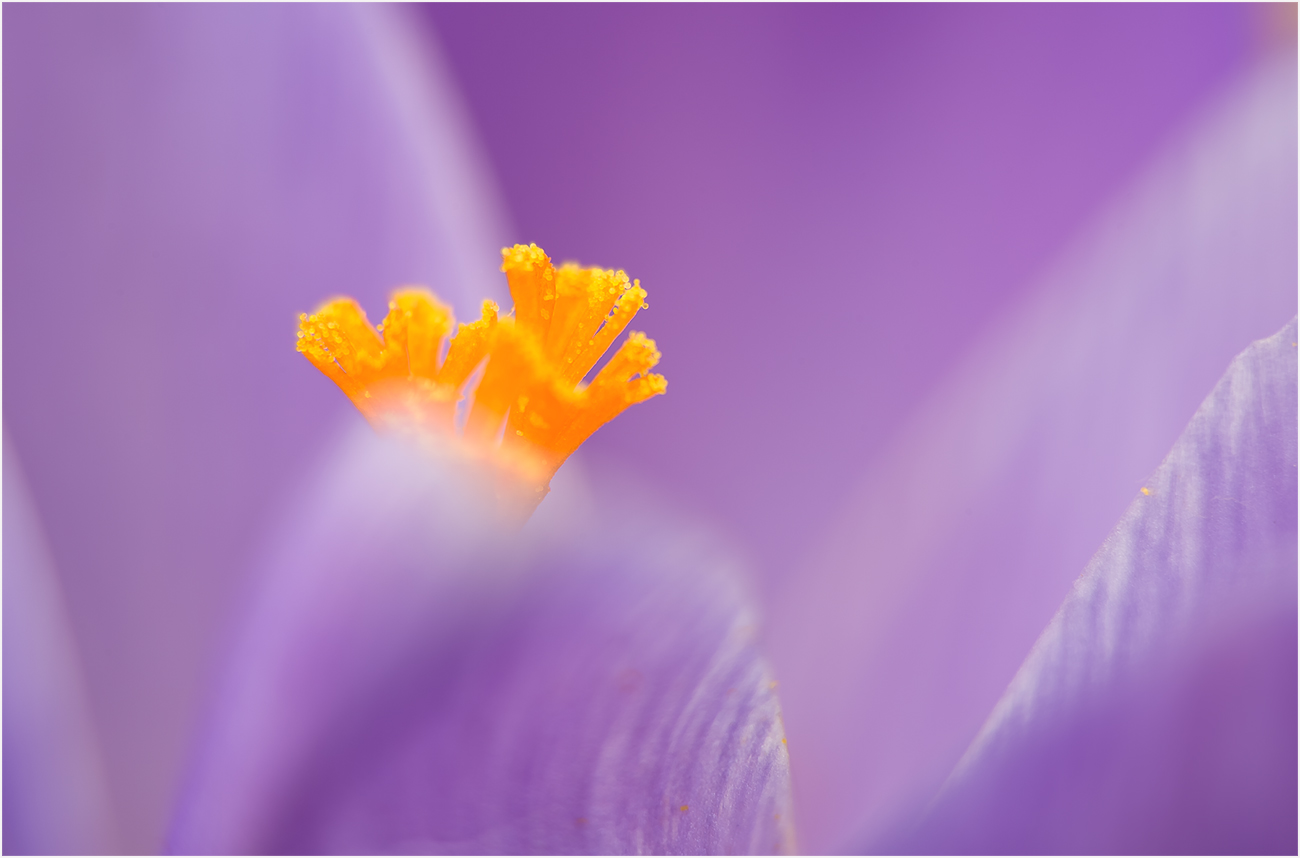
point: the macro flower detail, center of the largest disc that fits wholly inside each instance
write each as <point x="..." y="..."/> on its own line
<point x="528" y="409"/>
<point x="998" y="256"/>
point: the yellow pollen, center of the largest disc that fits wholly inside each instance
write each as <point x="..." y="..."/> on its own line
<point x="1146" y="491"/>
<point x="530" y="408"/>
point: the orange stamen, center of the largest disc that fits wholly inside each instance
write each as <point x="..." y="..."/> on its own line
<point x="530" y="394"/>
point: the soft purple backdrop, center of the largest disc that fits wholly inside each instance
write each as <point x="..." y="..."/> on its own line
<point x="825" y="203"/>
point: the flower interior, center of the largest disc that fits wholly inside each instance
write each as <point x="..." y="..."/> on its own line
<point x="506" y="390"/>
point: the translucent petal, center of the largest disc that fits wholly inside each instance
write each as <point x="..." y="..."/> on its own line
<point x="903" y="631"/>
<point x="55" y="797"/>
<point x="412" y="680"/>
<point x="189" y="179"/>
<point x="1157" y="712"/>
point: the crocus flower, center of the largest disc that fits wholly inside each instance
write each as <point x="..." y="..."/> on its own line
<point x="405" y="672"/>
<point x="452" y="690"/>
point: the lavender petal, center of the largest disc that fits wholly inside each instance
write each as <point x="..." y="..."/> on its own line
<point x="55" y="796"/>
<point x="900" y="635"/>
<point x="411" y="680"/>
<point x="1157" y="712"/>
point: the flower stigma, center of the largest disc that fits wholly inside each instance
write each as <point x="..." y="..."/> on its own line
<point x="528" y="408"/>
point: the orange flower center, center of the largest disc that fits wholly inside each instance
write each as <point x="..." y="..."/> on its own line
<point x="528" y="408"/>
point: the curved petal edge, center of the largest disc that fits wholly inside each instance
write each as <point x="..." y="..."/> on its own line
<point x="411" y="679"/>
<point x="1157" y="712"/>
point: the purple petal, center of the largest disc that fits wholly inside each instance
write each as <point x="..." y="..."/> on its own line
<point x="55" y="801"/>
<point x="186" y="180"/>
<point x="899" y="638"/>
<point x="1157" y="712"/>
<point x="412" y="680"/>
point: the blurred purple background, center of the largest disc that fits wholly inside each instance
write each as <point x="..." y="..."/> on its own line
<point x="826" y="203"/>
